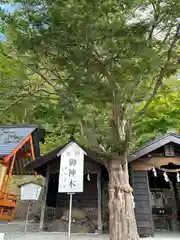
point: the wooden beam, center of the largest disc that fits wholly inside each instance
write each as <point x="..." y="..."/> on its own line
<point x="7" y="158"/>
<point x="3" y="171"/>
<point x="9" y="174"/>
<point x="148" y="163"/>
<point x="32" y="148"/>
<point x="32" y="151"/>
<point x="43" y="208"/>
<point x="99" y="202"/>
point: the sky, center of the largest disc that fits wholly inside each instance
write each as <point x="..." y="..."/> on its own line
<point x="8" y="7"/>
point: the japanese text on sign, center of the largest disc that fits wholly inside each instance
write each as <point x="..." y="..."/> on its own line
<point x="71" y="169"/>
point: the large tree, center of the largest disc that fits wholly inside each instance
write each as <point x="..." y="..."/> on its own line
<point x="99" y="61"/>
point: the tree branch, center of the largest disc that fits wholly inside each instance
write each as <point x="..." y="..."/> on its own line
<point x="24" y="95"/>
<point x="92" y="139"/>
<point x="156" y="8"/>
<point x="162" y="72"/>
<point x="37" y="72"/>
<point x="11" y="105"/>
<point x="43" y="77"/>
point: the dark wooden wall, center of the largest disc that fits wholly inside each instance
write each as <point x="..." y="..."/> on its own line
<point x="143" y="210"/>
<point x="87" y="199"/>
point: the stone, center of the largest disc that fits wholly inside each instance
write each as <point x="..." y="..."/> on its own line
<point x="64" y="218"/>
<point x="91" y="214"/>
<point x="77" y="214"/>
<point x="106" y="227"/>
<point x="57" y="226"/>
<point x="22" y="206"/>
<point x="79" y="228"/>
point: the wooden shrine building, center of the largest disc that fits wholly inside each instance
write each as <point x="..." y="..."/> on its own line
<point x="153" y="175"/>
<point x="154" y="172"/>
<point x="18" y="146"/>
<point x="49" y="166"/>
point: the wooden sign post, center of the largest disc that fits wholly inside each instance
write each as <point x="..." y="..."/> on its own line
<point x="30" y="192"/>
<point x="70" y="213"/>
<point x="27" y="216"/>
<point x="71" y="173"/>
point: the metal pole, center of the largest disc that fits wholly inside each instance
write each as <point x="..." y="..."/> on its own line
<point x="70" y="212"/>
<point x="27" y="217"/>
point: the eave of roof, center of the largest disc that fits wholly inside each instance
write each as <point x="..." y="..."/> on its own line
<point x="11" y="137"/>
<point x="153" y="145"/>
<point x="45" y="159"/>
<point x="19" y="126"/>
<point x="145" y="149"/>
<point x="30" y="182"/>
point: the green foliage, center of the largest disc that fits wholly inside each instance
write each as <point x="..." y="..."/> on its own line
<point x="162" y="115"/>
<point x="88" y="68"/>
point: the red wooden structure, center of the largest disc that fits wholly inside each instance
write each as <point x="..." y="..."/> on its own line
<point x="18" y="146"/>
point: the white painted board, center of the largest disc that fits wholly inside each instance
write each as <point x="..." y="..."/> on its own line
<point x="30" y="191"/>
<point x="71" y="174"/>
<point x="2" y="236"/>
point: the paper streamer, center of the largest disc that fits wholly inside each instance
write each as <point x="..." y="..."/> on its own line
<point x="154" y="172"/>
<point x="166" y="177"/>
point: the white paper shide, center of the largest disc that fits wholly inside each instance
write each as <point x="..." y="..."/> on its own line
<point x="71" y="169"/>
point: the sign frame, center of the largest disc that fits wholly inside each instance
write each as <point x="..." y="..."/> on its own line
<point x="71" y="169"/>
<point x="71" y="174"/>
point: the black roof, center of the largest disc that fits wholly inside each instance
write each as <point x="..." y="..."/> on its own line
<point x="153" y="145"/>
<point x="144" y="150"/>
<point x="45" y="159"/>
<point x="30" y="182"/>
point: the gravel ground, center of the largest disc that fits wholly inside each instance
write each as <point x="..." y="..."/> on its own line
<point x="15" y="231"/>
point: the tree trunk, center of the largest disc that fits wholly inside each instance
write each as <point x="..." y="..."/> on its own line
<point x="122" y="223"/>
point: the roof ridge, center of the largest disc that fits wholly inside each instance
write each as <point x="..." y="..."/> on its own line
<point x="19" y="126"/>
<point x="152" y="145"/>
<point x="155" y="140"/>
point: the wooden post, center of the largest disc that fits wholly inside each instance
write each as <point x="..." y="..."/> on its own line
<point x="99" y="201"/>
<point x="3" y="172"/>
<point x="43" y="208"/>
<point x="70" y="213"/>
<point x="9" y="174"/>
<point x="32" y="148"/>
<point x="27" y="216"/>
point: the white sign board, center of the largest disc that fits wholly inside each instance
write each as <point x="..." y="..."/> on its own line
<point x="71" y="169"/>
<point x="30" y="191"/>
<point x="2" y="236"/>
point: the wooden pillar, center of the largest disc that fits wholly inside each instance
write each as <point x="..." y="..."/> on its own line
<point x="99" y="201"/>
<point x="43" y="208"/>
<point x="3" y="171"/>
<point x="32" y="148"/>
<point x="9" y="174"/>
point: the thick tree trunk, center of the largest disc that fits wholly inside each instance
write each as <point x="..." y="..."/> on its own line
<point x="122" y="223"/>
